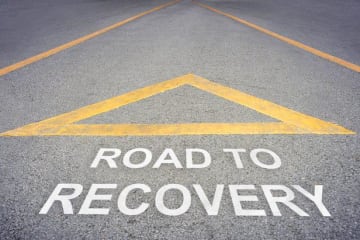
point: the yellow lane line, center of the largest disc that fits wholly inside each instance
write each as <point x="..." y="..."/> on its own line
<point x="268" y="108"/>
<point x="292" y="42"/>
<point x="75" y="42"/>
<point x="116" y="102"/>
<point x="161" y="129"/>
<point x="291" y="122"/>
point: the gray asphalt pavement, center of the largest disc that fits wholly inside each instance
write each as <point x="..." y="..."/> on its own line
<point x="174" y="41"/>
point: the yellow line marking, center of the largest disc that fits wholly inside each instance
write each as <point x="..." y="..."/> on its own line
<point x="292" y="42"/>
<point x="292" y="122"/>
<point x="75" y="42"/>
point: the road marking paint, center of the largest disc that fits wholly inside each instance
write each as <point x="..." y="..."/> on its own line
<point x="292" y="42"/>
<point x="291" y="122"/>
<point x="75" y="42"/>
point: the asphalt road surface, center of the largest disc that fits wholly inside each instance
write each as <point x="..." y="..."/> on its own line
<point x="176" y="40"/>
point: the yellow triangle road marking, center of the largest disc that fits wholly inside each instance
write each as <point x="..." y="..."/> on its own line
<point x="291" y="122"/>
